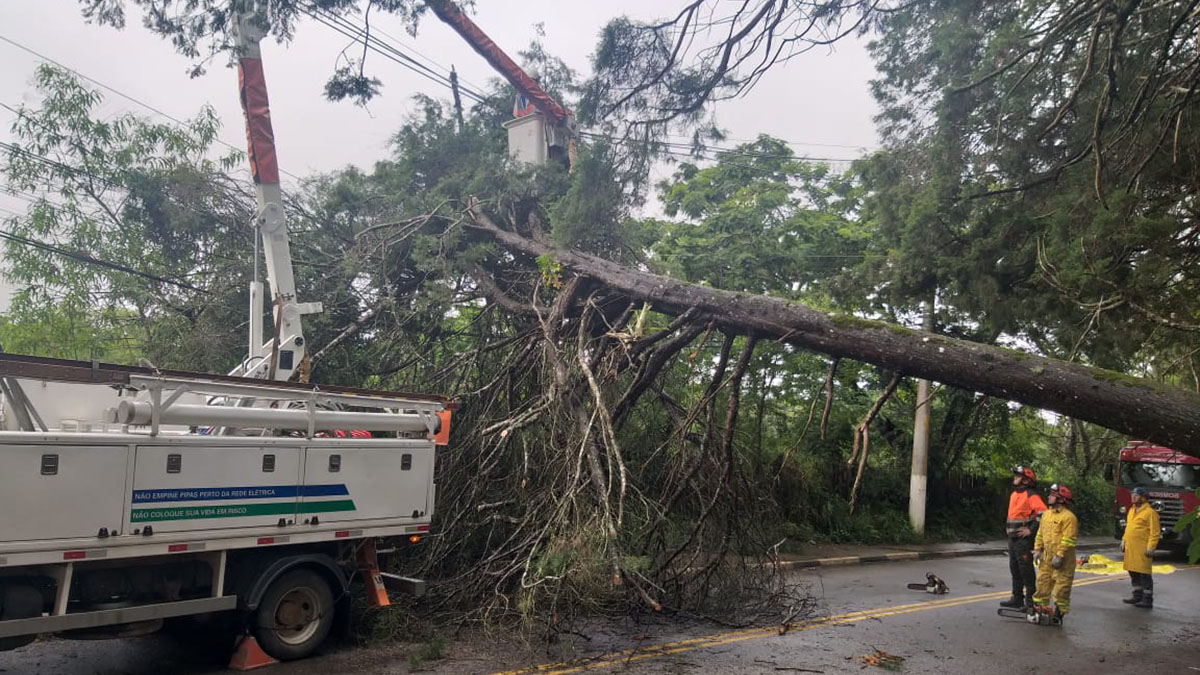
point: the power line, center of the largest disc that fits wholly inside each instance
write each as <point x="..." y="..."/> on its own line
<point x="178" y="122"/>
<point x="397" y="49"/>
<point x="791" y="143"/>
<point x="23" y="196"/>
<point x="89" y="259"/>
<point x="16" y="149"/>
<point x="424" y="56"/>
<point x="386" y="51"/>
<point x="365" y="32"/>
<point x="360" y="34"/>
<point x="94" y="81"/>
<point x="76" y="255"/>
<point x="687" y="150"/>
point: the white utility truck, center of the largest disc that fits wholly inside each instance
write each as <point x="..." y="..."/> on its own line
<point x="130" y="495"/>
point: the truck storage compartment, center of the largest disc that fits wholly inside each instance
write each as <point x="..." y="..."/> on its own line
<point x="367" y="482"/>
<point x="61" y="491"/>
<point x="180" y="488"/>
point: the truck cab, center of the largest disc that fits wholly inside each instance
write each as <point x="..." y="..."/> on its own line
<point x="1170" y="476"/>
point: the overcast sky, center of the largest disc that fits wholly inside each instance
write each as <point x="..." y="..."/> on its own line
<point x="820" y="101"/>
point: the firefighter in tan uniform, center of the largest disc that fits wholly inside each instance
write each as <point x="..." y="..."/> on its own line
<point x="1054" y="553"/>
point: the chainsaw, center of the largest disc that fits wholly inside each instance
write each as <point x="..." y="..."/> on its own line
<point x="1041" y="615"/>
<point x="933" y="584"/>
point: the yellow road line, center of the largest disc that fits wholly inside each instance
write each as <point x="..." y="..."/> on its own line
<point x="755" y="632"/>
<point x="718" y="639"/>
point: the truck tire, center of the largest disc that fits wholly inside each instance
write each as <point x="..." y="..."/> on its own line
<point x="295" y="615"/>
<point x="18" y="601"/>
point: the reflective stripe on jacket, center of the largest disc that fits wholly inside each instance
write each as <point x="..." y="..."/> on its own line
<point x="1056" y="535"/>
<point x="1024" y="507"/>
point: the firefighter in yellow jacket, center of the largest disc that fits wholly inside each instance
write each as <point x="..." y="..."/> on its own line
<point x="1142" y="530"/>
<point x="1054" y="552"/>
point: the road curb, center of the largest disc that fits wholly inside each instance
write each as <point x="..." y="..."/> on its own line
<point x="900" y="556"/>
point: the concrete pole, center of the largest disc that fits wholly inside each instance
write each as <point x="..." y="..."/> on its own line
<point x="918" y="481"/>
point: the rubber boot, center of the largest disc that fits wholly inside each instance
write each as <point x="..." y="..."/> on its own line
<point x="1146" y="601"/>
<point x="1057" y="618"/>
<point x="1013" y="603"/>
<point x="1133" y="599"/>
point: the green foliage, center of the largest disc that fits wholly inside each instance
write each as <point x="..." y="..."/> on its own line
<point x="551" y="271"/>
<point x="433" y="650"/>
<point x="140" y="195"/>
<point x="349" y="82"/>
<point x="402" y="272"/>
<point x="1190" y="522"/>
<point x="983" y="195"/>
<point x="589" y="216"/>
<point x="202" y="30"/>
<point x="761" y="221"/>
<point x="61" y="332"/>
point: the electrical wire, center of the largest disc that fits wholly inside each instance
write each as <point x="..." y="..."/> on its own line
<point x="89" y="259"/>
<point x="414" y="50"/>
<point x="687" y="150"/>
<point x="178" y="122"/>
<point x="847" y="146"/>
<point x="360" y="34"/>
<point x="18" y="150"/>
<point x="75" y="255"/>
<point x="396" y="48"/>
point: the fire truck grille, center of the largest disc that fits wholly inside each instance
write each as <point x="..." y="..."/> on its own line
<point x="1169" y="511"/>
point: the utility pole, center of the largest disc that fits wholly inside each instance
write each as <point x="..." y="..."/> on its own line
<point x="458" y="114"/>
<point x="918" y="482"/>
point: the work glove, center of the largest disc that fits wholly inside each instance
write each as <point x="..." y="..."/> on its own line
<point x="1037" y="557"/>
<point x="1056" y="561"/>
<point x="1122" y="546"/>
<point x="1149" y="551"/>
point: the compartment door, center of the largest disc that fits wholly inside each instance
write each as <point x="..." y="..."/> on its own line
<point x="178" y="489"/>
<point x="367" y="482"/>
<point x="61" y="491"/>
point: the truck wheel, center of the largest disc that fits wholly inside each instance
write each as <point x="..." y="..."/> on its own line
<point x="295" y="615"/>
<point x="19" y="601"/>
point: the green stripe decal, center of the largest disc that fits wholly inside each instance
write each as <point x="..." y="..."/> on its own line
<point x="240" y="510"/>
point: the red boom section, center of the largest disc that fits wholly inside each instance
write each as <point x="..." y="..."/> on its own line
<point x="449" y="12"/>
<point x="260" y="137"/>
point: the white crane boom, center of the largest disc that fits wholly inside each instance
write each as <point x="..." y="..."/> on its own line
<point x="281" y="356"/>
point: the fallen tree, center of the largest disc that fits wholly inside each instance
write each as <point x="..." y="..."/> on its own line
<point x="1130" y="405"/>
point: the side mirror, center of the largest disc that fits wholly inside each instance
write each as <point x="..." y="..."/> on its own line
<point x="1109" y="471"/>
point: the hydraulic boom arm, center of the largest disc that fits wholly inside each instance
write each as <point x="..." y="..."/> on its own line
<point x="281" y="356"/>
<point x="450" y="13"/>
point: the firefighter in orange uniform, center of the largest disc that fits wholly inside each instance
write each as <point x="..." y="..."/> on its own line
<point x="1142" y="531"/>
<point x="1054" y="553"/>
<point x="1025" y="507"/>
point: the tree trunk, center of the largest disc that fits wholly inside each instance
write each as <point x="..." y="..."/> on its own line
<point x="1130" y="405"/>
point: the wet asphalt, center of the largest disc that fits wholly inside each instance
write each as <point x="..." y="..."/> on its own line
<point x="864" y="608"/>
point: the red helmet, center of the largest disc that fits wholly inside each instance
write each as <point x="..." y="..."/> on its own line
<point x="1022" y="470"/>
<point x="1062" y="493"/>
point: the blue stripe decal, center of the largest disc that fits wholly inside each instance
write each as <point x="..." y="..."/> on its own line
<point x="218" y="493"/>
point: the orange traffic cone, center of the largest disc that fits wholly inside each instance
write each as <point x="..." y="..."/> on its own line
<point x="247" y="655"/>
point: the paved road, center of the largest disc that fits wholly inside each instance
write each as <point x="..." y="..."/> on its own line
<point x="863" y="608"/>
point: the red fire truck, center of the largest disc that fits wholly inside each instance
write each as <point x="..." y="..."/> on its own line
<point x="1171" y="478"/>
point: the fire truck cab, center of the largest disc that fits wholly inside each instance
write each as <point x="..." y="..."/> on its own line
<point x="1171" y="478"/>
